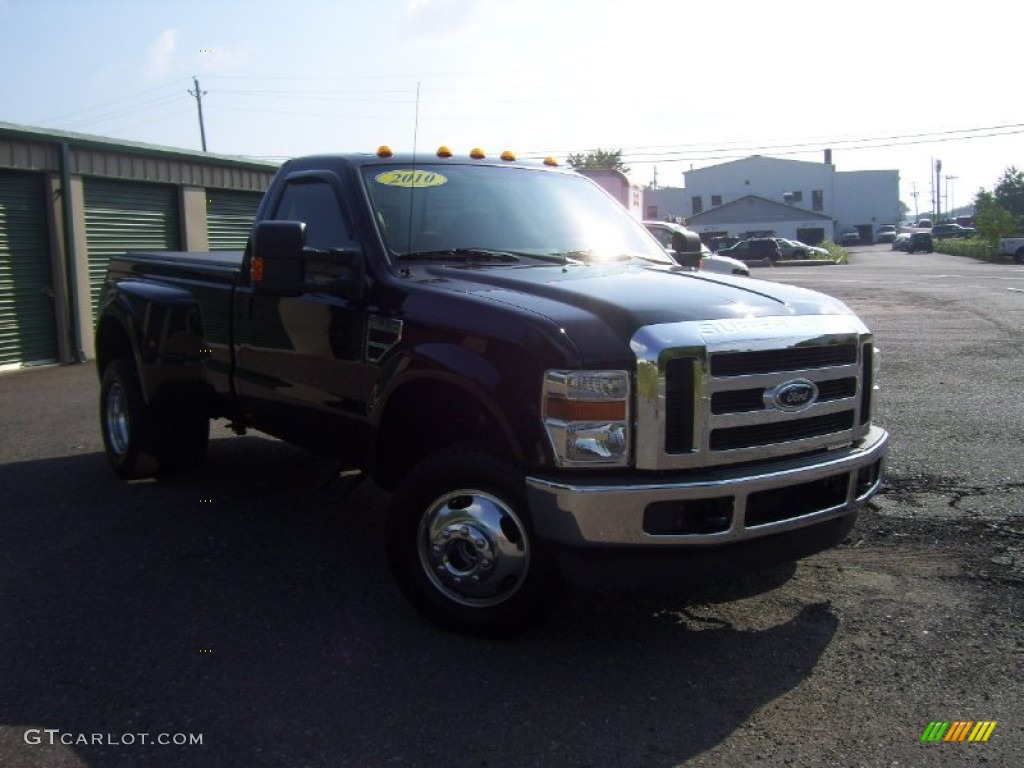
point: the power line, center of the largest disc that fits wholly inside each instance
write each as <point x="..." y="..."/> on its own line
<point x="694" y="154"/>
<point x="105" y="117"/>
<point x="108" y="102"/>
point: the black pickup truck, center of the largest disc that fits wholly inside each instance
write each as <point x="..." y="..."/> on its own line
<point x="506" y="349"/>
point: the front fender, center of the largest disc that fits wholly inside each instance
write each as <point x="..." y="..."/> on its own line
<point x="470" y="382"/>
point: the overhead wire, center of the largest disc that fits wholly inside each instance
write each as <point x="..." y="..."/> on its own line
<point x="107" y="103"/>
<point x="639" y="154"/>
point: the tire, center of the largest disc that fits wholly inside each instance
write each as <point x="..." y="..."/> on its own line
<point x="129" y="436"/>
<point x="462" y="548"/>
<point x="141" y="440"/>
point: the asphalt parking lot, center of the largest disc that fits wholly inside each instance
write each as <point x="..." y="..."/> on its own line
<point x="249" y="603"/>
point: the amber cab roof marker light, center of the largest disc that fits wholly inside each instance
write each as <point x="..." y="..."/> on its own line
<point x="477" y="154"/>
<point x="384" y="151"/>
<point x="550" y="161"/>
<point x="444" y="151"/>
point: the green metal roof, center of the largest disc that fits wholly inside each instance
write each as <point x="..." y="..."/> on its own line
<point x="46" y="135"/>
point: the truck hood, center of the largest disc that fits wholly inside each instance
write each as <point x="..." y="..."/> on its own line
<point x="591" y="302"/>
<point x="631" y="295"/>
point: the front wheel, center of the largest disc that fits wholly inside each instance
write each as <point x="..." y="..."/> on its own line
<point x="462" y="547"/>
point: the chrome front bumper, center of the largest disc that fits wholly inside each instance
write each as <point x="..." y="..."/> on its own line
<point x="711" y="507"/>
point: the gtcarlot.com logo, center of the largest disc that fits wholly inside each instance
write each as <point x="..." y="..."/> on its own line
<point x="958" y="730"/>
<point x="52" y="736"/>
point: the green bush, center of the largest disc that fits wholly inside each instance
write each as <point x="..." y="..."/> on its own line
<point x="975" y="248"/>
<point x="836" y="252"/>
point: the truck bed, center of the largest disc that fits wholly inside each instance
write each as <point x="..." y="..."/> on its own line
<point x="207" y="266"/>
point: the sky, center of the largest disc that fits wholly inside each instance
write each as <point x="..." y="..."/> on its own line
<point x="675" y="85"/>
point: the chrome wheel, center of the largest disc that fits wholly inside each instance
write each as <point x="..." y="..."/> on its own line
<point x="117" y="421"/>
<point x="473" y="548"/>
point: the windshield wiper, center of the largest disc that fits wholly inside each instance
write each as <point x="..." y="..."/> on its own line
<point x="588" y="256"/>
<point x="460" y="254"/>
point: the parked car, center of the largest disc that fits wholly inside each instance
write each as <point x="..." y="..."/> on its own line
<point x="716" y="262"/>
<point x="940" y="231"/>
<point x="721" y="242"/>
<point x="886" y="233"/>
<point x="920" y="241"/>
<point x="1012" y="246"/>
<point x="758" y="249"/>
<point x="902" y="242"/>
<point x="710" y="262"/>
<point x="849" y="237"/>
<point x="794" y="249"/>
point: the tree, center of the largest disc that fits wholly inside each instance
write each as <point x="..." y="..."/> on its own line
<point x="1009" y="192"/>
<point x="991" y="219"/>
<point x="599" y="158"/>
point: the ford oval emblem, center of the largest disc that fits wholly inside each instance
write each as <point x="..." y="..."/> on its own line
<point x="795" y="395"/>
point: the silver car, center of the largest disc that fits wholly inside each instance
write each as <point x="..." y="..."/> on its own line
<point x="794" y="249"/>
<point x="710" y="262"/>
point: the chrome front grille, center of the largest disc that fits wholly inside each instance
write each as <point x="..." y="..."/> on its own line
<point x="733" y="438"/>
<point x="741" y="391"/>
<point x="775" y="360"/>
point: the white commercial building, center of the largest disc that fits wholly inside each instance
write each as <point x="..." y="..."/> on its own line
<point x="789" y="198"/>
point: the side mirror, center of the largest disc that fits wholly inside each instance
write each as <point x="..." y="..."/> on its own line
<point x="687" y="249"/>
<point x="281" y="265"/>
<point x="277" y="261"/>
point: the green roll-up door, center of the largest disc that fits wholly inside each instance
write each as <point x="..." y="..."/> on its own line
<point x="28" y="329"/>
<point x="229" y="217"/>
<point x="127" y="216"/>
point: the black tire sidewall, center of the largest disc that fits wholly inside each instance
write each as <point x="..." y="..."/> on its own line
<point x="431" y="479"/>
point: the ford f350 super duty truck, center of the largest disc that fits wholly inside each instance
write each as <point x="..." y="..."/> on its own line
<point x="506" y="349"/>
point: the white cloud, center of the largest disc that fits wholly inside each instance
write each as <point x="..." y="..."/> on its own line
<point x="429" y="21"/>
<point x="219" y="59"/>
<point x="161" y="53"/>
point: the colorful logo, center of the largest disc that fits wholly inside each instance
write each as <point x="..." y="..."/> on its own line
<point x="411" y="178"/>
<point x="958" y="730"/>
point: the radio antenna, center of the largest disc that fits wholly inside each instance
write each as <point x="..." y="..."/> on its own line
<point x="412" y="181"/>
<point x="416" y="122"/>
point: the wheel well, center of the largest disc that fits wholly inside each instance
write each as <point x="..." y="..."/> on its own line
<point x="424" y="417"/>
<point x="112" y="342"/>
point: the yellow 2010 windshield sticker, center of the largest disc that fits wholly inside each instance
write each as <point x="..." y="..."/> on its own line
<point x="411" y="178"/>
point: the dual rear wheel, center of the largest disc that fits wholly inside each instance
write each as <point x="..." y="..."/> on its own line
<point x="142" y="439"/>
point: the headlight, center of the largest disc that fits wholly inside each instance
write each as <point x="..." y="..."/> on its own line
<point x="586" y="415"/>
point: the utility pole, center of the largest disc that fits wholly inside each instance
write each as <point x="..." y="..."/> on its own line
<point x="199" y="103"/>
<point x="938" y="191"/>
<point x="914" y="193"/>
<point x="949" y="200"/>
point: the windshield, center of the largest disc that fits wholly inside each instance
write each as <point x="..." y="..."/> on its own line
<point x="472" y="212"/>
